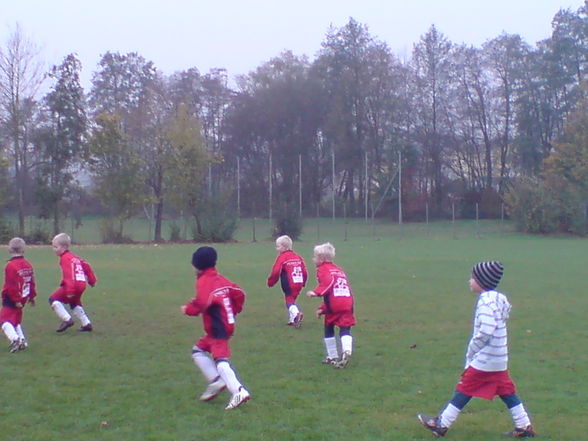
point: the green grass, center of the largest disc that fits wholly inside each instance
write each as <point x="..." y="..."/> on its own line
<point x="134" y="371"/>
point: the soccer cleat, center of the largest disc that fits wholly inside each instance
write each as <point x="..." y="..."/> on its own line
<point x="22" y="344"/>
<point x="344" y="360"/>
<point x="330" y="360"/>
<point x="86" y="328"/>
<point x="65" y="325"/>
<point x="214" y="388"/>
<point x="298" y="320"/>
<point x="522" y="432"/>
<point x="432" y="424"/>
<point x="14" y="346"/>
<point x="242" y="396"/>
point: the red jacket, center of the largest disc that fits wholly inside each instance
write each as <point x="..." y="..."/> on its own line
<point x="333" y="288"/>
<point x="289" y="267"/>
<point x="218" y="300"/>
<point x="75" y="273"/>
<point x="19" y="282"/>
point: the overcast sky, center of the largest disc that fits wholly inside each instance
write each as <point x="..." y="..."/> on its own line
<point x="239" y="35"/>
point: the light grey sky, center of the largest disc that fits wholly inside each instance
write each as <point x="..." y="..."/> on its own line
<point x="240" y="35"/>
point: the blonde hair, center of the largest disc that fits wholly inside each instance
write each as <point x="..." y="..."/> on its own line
<point x="325" y="252"/>
<point x="284" y="241"/>
<point x="62" y="239"/>
<point x="16" y="245"/>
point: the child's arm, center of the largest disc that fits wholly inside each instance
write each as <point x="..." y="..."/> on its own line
<point x="275" y="272"/>
<point x="483" y="334"/>
<point x="90" y="275"/>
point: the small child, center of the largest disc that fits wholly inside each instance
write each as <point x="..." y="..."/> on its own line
<point x="76" y="273"/>
<point x="19" y="288"/>
<point x="290" y="269"/>
<point x="337" y="306"/>
<point x="486" y="368"/>
<point x="218" y="300"/>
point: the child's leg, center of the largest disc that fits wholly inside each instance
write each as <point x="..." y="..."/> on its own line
<point x="519" y="415"/>
<point x="293" y="311"/>
<point x="10" y="332"/>
<point x="20" y="332"/>
<point x="80" y="313"/>
<point x="56" y="302"/>
<point x="448" y="415"/>
<point x="346" y="339"/>
<point x="331" y="342"/>
<point x="205" y="363"/>
<point x="228" y="375"/>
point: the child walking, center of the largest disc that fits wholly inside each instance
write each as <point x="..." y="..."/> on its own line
<point x="290" y="269"/>
<point x="218" y="300"/>
<point x="486" y="368"/>
<point x="18" y="290"/>
<point x="76" y="274"/>
<point x="337" y="306"/>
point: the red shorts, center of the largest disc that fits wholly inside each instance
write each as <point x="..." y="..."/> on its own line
<point x="72" y="299"/>
<point x="290" y="299"/>
<point x="344" y="319"/>
<point x="11" y="315"/>
<point x="218" y="348"/>
<point x="487" y="385"/>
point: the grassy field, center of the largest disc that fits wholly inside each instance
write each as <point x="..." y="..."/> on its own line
<point x="133" y="379"/>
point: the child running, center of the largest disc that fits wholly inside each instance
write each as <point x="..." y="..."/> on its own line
<point x="290" y="269"/>
<point x="18" y="290"/>
<point x="337" y="306"/>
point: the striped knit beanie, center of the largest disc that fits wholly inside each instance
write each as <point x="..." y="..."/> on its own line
<point x="488" y="274"/>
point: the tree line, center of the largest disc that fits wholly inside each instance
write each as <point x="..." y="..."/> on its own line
<point x="504" y="121"/>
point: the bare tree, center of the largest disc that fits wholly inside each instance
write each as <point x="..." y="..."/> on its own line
<point x="21" y="75"/>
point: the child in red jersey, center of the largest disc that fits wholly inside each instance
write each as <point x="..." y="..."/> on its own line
<point x="18" y="289"/>
<point x="290" y="269"/>
<point x="218" y="301"/>
<point x="76" y="274"/>
<point x="337" y="306"/>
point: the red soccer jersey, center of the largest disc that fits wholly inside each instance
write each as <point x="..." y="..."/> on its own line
<point x="19" y="282"/>
<point x="76" y="272"/>
<point x="333" y="288"/>
<point x="218" y="300"/>
<point x="289" y="267"/>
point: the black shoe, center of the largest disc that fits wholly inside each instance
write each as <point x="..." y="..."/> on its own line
<point x="65" y="325"/>
<point x="432" y="424"/>
<point x="86" y="328"/>
<point x="522" y="432"/>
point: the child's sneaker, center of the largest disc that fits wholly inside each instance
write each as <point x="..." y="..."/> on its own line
<point x="298" y="320"/>
<point x="65" y="325"/>
<point x="344" y="360"/>
<point x="22" y="344"/>
<point x="14" y="346"/>
<point x="432" y="424"/>
<point x="242" y="396"/>
<point x="86" y="328"/>
<point x="330" y="360"/>
<point x="522" y="432"/>
<point x="214" y="388"/>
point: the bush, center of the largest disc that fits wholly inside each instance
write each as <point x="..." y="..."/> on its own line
<point x="289" y="224"/>
<point x="175" y="232"/>
<point x="216" y="221"/>
<point x="539" y="208"/>
<point x="7" y="232"/>
<point x="38" y="236"/>
<point x="110" y="234"/>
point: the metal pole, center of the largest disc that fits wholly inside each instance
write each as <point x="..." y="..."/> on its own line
<point x="238" y="188"/>
<point x="400" y="188"/>
<point x="210" y="180"/>
<point x="366" y="188"/>
<point x="300" y="185"/>
<point x="333" y="180"/>
<point x="270" y="186"/>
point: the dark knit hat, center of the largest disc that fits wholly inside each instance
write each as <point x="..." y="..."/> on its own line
<point x="204" y="257"/>
<point x="488" y="274"/>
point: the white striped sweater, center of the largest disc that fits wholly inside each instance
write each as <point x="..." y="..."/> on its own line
<point x="488" y="347"/>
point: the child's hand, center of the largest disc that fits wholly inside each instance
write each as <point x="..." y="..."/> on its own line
<point x="310" y="294"/>
<point x="183" y="309"/>
<point x="32" y="302"/>
<point x="319" y="312"/>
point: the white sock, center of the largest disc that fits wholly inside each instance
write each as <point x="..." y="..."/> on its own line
<point x="293" y="312"/>
<point x="228" y="375"/>
<point x="9" y="331"/>
<point x="347" y="343"/>
<point x="520" y="416"/>
<point x="59" y="309"/>
<point x="205" y="364"/>
<point x="20" y="332"/>
<point x="79" y="312"/>
<point x="331" y="346"/>
<point x="449" y="415"/>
